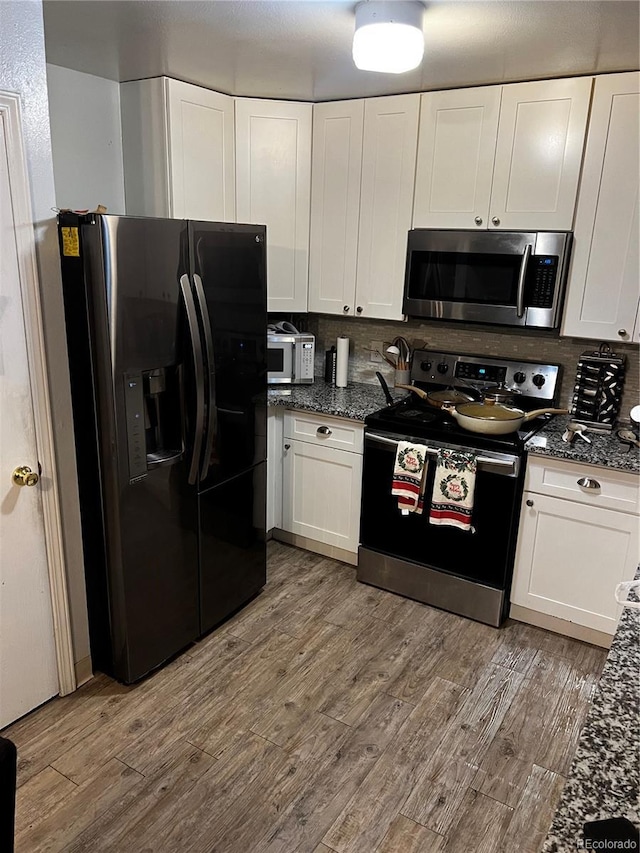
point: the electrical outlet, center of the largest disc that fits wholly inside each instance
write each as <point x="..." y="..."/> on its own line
<point x="375" y="349"/>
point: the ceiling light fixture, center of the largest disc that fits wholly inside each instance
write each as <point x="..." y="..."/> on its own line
<point x="388" y="36"/>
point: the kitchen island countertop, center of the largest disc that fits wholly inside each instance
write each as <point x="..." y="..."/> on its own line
<point x="355" y="402"/>
<point x="605" y="449"/>
<point x="603" y="780"/>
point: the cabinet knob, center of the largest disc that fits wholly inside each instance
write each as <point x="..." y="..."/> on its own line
<point x="478" y="220"/>
<point x="287" y="446"/>
<point x="529" y="502"/>
<point x="359" y="309"/>
<point x="345" y="309"/>
<point x="495" y="220"/>
<point x="622" y="333"/>
<point x="588" y="483"/>
<point x="324" y="430"/>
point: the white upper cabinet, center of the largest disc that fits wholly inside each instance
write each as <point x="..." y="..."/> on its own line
<point x="178" y="146"/>
<point x="502" y="157"/>
<point x="386" y="201"/>
<point x="603" y="292"/>
<point x="364" y="155"/>
<point x="336" y="169"/>
<point x="273" y="181"/>
<point x="456" y="150"/>
<point x="539" y="154"/>
<point x="202" y="153"/>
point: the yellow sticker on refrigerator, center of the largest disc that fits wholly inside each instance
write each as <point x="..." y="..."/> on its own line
<point x="70" y="242"/>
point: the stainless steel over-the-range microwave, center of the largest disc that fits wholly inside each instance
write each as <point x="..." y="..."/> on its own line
<point x="507" y="278"/>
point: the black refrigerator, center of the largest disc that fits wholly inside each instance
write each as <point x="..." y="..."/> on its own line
<point x="166" y="332"/>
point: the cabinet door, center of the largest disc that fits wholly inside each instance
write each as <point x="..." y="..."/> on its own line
<point x="336" y="168"/>
<point x="201" y="153"/>
<point x="321" y="494"/>
<point x="571" y="557"/>
<point x="273" y="185"/>
<point x="456" y="149"/>
<point x="274" y="468"/>
<point x="386" y="200"/>
<point x="602" y="298"/>
<point x="539" y="154"/>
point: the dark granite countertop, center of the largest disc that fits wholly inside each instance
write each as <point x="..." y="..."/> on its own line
<point x="356" y="401"/>
<point x="603" y="780"/>
<point x="605" y="450"/>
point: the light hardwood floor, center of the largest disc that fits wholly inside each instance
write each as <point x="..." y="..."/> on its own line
<point x="326" y="716"/>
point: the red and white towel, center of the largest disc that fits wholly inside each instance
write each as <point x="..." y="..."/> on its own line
<point x="453" y="488"/>
<point x="408" y="476"/>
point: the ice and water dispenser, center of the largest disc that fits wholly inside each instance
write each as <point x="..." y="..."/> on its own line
<point x="154" y="421"/>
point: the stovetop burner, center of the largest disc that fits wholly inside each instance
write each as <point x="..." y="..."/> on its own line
<point x="405" y="418"/>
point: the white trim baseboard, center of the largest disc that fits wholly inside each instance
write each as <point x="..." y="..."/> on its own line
<point x="307" y="544"/>
<point x="83" y="671"/>
<point x="36" y="354"/>
<point x="560" y="626"/>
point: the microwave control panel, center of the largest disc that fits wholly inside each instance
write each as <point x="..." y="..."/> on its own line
<point x="307" y="357"/>
<point x="542" y="274"/>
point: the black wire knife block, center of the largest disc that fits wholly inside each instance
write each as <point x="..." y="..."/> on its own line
<point x="598" y="389"/>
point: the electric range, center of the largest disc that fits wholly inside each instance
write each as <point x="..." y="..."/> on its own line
<point x="465" y="572"/>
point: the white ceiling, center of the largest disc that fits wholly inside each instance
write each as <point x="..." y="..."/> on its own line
<point x="302" y="50"/>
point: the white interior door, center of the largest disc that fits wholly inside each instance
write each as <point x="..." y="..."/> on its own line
<point x="28" y="670"/>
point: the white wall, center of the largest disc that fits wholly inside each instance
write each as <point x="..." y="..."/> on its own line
<point x="86" y="138"/>
<point x="23" y="70"/>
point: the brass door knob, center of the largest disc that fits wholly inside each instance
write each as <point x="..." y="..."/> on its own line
<point x="24" y="476"/>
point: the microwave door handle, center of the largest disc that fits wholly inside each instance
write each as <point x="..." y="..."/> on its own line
<point x="212" y="424"/>
<point x="198" y="363"/>
<point x="521" y="280"/>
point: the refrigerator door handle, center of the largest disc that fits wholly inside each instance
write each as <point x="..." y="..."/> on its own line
<point x="212" y="424"/>
<point x="198" y="361"/>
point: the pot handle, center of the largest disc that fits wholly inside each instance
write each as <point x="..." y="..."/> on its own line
<point x="537" y="412"/>
<point x="422" y="394"/>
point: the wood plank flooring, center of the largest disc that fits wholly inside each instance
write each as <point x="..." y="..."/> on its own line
<point x="325" y="717"/>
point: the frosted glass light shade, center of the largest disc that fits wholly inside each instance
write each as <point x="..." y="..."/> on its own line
<point x="388" y="36"/>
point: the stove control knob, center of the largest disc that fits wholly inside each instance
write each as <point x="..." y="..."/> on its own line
<point x="443" y="367"/>
<point x="538" y="380"/>
<point x="519" y="377"/>
<point x="425" y="365"/>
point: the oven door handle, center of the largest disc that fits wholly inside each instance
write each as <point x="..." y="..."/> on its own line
<point x="510" y="463"/>
<point x="522" y="277"/>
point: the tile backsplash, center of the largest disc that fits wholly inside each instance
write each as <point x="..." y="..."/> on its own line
<point x="541" y="346"/>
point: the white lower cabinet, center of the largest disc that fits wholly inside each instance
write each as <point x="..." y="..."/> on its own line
<point x="321" y="481"/>
<point x="578" y="539"/>
<point x="274" y="468"/>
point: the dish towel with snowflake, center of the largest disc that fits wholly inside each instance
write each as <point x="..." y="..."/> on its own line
<point x="408" y="476"/>
<point x="453" y="487"/>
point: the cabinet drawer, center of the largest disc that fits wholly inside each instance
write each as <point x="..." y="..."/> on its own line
<point x="615" y="489"/>
<point x="320" y="429"/>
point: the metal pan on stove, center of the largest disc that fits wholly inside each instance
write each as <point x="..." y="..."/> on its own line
<point x="444" y="397"/>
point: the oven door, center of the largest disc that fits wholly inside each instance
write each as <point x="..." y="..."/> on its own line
<point x="462" y="571"/>
<point x="280" y="356"/>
